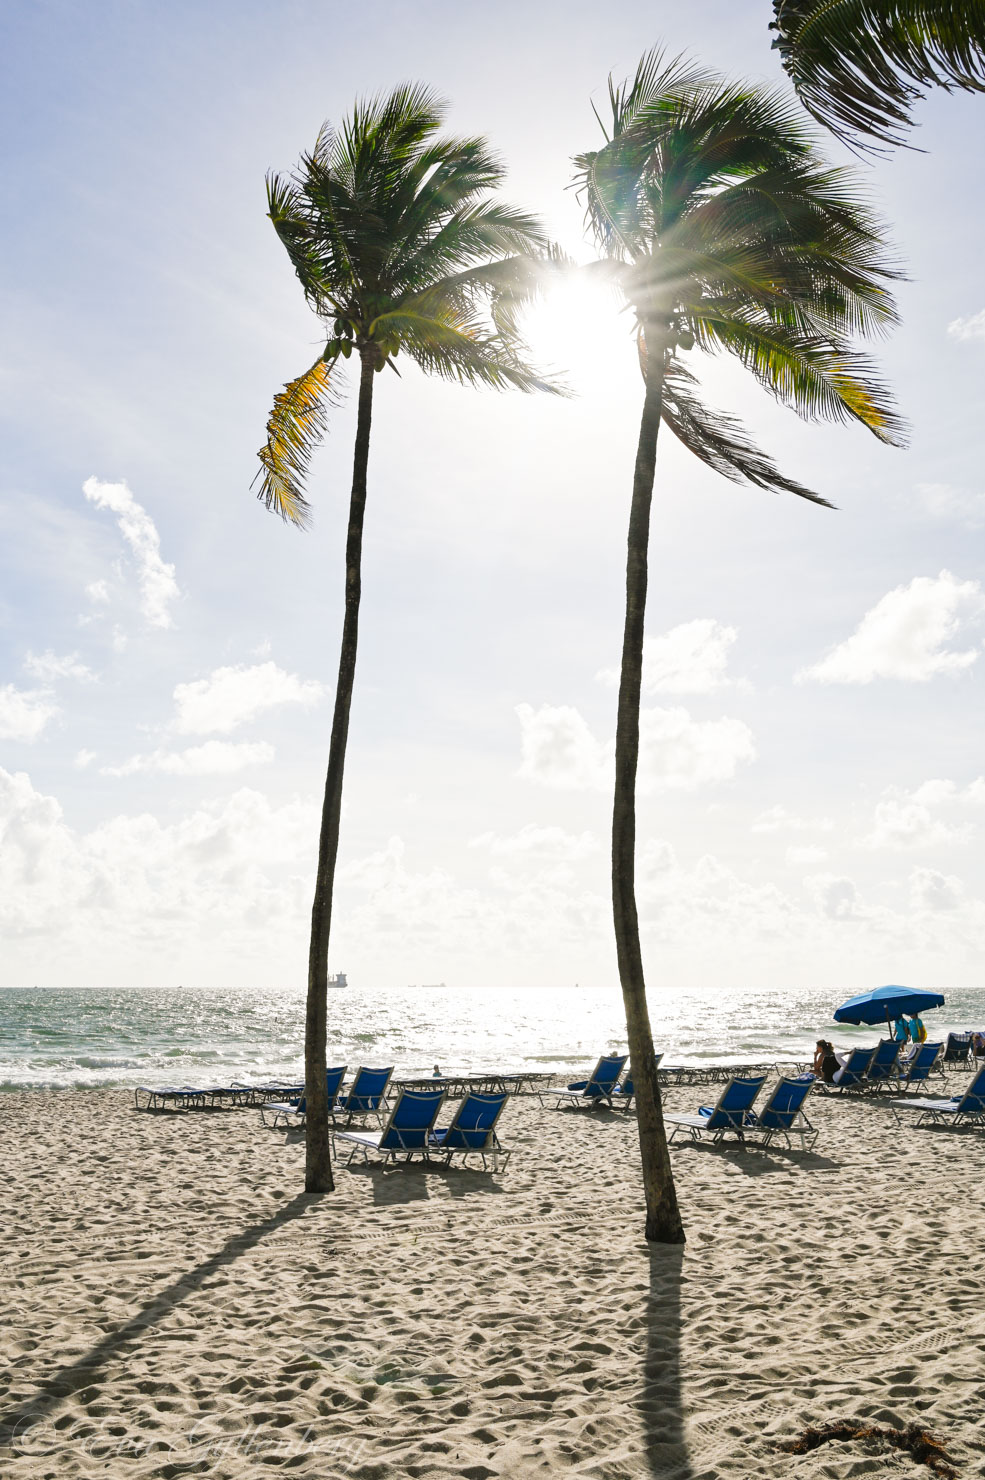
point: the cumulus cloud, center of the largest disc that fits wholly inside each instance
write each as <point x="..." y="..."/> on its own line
<point x="905" y="635"/>
<point x="689" y="659"/>
<point x="98" y="592"/>
<point x="47" y="666"/>
<point x="807" y="853"/>
<point x="158" y="587"/>
<point x="677" y="752"/>
<point x="959" y="504"/>
<point x="972" y="327"/>
<point x="24" y="712"/>
<point x="778" y="819"/>
<point x="229" y="868"/>
<point x="231" y="696"/>
<point x="214" y="758"/>
<point x="910" y="819"/>
<point x="935" y="893"/>
<point x="544" y="842"/>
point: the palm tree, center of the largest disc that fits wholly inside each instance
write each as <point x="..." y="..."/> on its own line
<point x="722" y="230"/>
<point x="399" y="247"/>
<point x="859" y="66"/>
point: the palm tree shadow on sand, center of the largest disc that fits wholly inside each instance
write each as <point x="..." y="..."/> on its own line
<point x="661" y="1390"/>
<point x="26" y="1429"/>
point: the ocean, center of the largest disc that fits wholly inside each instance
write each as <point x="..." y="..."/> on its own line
<point x="102" y="1038"/>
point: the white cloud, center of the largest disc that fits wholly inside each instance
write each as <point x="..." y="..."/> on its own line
<point x="778" y="819"/>
<point x="935" y="893"/>
<point x="229" y="869"/>
<point x="689" y="659"/>
<point x="836" y="897"/>
<point x="84" y="758"/>
<point x="557" y="749"/>
<point x="543" y="842"/>
<point x="231" y="696"/>
<point x="947" y="502"/>
<point x="214" y="758"/>
<point x="98" y="592"/>
<point x="904" y="635"/>
<point x="807" y="853"/>
<point x="972" y="327"/>
<point x="158" y="586"/>
<point x="24" y="712"/>
<point x="48" y="666"/>
<point x="907" y="819"/>
<point x="676" y="752"/>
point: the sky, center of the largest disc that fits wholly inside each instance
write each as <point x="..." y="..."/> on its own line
<point x="812" y="779"/>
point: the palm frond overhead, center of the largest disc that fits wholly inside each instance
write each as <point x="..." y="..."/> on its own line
<point x="294" y="429"/>
<point x="860" y="66"/>
<point x="725" y="230"/>
<point x="720" y="440"/>
<point x="400" y="245"/>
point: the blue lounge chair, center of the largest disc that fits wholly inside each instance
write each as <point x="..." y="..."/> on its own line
<point x="917" y="1068"/>
<point x="365" y="1095"/>
<point x="851" y="1074"/>
<point x="958" y="1050"/>
<point x="883" y="1067"/>
<point x="407" y="1130"/>
<point x="293" y="1112"/>
<point x="473" y="1131"/>
<point x="732" y="1113"/>
<point x="599" y="1086"/>
<point x="783" y="1114"/>
<point x="966" y="1109"/>
<point x="160" y="1096"/>
<point x="623" y="1093"/>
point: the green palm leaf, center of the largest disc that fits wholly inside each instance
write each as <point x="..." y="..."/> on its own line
<point x="859" y="66"/>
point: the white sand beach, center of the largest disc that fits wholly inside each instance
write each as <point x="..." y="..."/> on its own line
<point x="172" y="1304"/>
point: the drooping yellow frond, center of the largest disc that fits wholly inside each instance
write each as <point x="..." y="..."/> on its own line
<point x="295" y="427"/>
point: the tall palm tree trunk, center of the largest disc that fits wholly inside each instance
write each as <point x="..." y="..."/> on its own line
<point x="318" y="1160"/>
<point x="663" y="1219"/>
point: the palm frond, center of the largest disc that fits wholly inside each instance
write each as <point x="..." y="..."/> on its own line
<point x="720" y="440"/>
<point x="819" y="378"/>
<point x="860" y="66"/>
<point x="294" y="429"/>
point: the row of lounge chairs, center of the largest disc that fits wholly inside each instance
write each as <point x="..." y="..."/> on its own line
<point x="885" y="1068"/>
<point x="455" y="1086"/>
<point x="783" y="1114"/>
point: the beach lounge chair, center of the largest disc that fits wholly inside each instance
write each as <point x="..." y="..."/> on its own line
<point x="597" y="1087"/>
<point x="957" y="1050"/>
<point x="623" y="1093"/>
<point x="783" y="1114"/>
<point x="160" y="1096"/>
<point x="731" y="1113"/>
<point x="408" y="1128"/>
<point x="365" y="1095"/>
<point x="966" y="1109"/>
<point x="473" y="1131"/>
<point x="883" y="1070"/>
<point x="852" y="1072"/>
<point x="916" y="1069"/>
<point x="293" y="1112"/>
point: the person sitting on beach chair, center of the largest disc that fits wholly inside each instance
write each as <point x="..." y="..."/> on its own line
<point x="825" y="1064"/>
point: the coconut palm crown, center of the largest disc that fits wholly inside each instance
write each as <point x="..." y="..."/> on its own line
<point x="723" y="231"/>
<point x="859" y="66"/>
<point x="399" y="246"/>
<point x="401" y="249"/>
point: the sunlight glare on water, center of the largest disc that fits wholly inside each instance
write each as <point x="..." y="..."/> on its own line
<point x="65" y="1038"/>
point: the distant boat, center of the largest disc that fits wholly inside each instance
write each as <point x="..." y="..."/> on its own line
<point x="338" y="980"/>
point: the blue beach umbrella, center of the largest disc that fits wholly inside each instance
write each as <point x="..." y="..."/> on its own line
<point x="885" y="1004"/>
